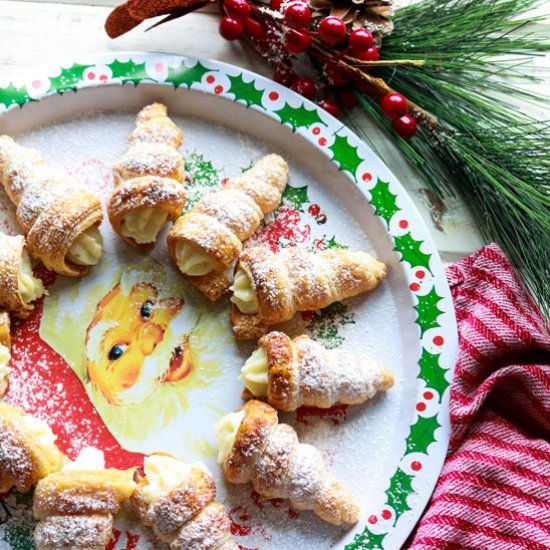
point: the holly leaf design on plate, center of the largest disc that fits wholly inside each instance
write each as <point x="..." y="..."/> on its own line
<point x="410" y="250"/>
<point x="129" y="71"/>
<point x="68" y="79"/>
<point x="245" y="91"/>
<point x="298" y="116"/>
<point x="297" y="196"/>
<point x="11" y="95"/>
<point x="400" y="489"/>
<point x="184" y="75"/>
<point x="428" y="311"/>
<point x="346" y="155"/>
<point x="333" y="243"/>
<point x="422" y="434"/>
<point x="383" y="200"/>
<point x="432" y="373"/>
<point x="367" y="541"/>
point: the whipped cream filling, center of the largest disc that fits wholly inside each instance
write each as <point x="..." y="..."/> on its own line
<point x="226" y="431"/>
<point x="254" y="373"/>
<point x="144" y="225"/>
<point x="164" y="474"/>
<point x="89" y="458"/>
<point x="244" y="294"/>
<point x="192" y="261"/>
<point x="87" y="248"/>
<point x="30" y="287"/>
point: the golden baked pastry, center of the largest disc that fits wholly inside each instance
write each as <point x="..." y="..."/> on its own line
<point x="148" y="179"/>
<point x="255" y="448"/>
<point x="177" y="500"/>
<point x="59" y="216"/>
<point x="27" y="450"/>
<point x="270" y="287"/>
<point x="18" y="286"/>
<point x="293" y="373"/>
<point x="75" y="506"/>
<point x="206" y="242"/>
<point x="5" y="352"/>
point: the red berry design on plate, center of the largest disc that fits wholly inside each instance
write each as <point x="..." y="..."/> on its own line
<point x="416" y="466"/>
<point x="321" y="219"/>
<point x="230" y="28"/>
<point x="297" y="15"/>
<point x="297" y="42"/>
<point x="331" y="107"/>
<point x="314" y="210"/>
<point x="404" y="126"/>
<point x="438" y="340"/>
<point x="254" y="29"/>
<point x="337" y="74"/>
<point x="332" y="30"/>
<point x="415" y="287"/>
<point x="393" y="105"/>
<point x="386" y="514"/>
<point x="305" y="86"/>
<point x="360" y="40"/>
<point x="372" y="54"/>
<point x="237" y="9"/>
<point x="421" y="407"/>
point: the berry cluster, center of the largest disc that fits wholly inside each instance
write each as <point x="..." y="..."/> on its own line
<point x="288" y="27"/>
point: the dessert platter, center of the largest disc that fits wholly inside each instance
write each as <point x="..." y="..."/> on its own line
<point x="222" y="321"/>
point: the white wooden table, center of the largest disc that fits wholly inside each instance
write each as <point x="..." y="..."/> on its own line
<point x="32" y="32"/>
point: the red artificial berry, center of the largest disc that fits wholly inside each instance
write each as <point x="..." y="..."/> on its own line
<point x="254" y="29"/>
<point x="297" y="16"/>
<point x="331" y="107"/>
<point x="314" y="210"/>
<point x="238" y="9"/>
<point x="347" y="97"/>
<point x="332" y="30"/>
<point x="230" y="28"/>
<point x="321" y="219"/>
<point x="275" y="5"/>
<point x="393" y="105"/>
<point x="360" y="40"/>
<point x="404" y="126"/>
<point x="285" y="76"/>
<point x="337" y="74"/>
<point x="372" y="54"/>
<point x="297" y="42"/>
<point x="304" y="86"/>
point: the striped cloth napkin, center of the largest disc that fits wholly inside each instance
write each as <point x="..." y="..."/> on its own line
<point x="494" y="489"/>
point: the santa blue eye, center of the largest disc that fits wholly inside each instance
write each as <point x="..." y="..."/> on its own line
<point x="115" y="353"/>
<point x="146" y="309"/>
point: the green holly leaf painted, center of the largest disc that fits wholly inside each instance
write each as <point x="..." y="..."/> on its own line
<point x="325" y="325"/>
<point x="129" y="71"/>
<point x="297" y="196"/>
<point x="18" y="537"/>
<point x="333" y="243"/>
<point x="245" y="91"/>
<point x="186" y="76"/>
<point x="383" y="200"/>
<point x="400" y="489"/>
<point x="202" y="177"/>
<point x="428" y="311"/>
<point x="367" y="541"/>
<point x="346" y="155"/>
<point x="69" y="78"/>
<point x="410" y="250"/>
<point x="432" y="373"/>
<point x="422" y="434"/>
<point x="298" y="116"/>
<point x="10" y="95"/>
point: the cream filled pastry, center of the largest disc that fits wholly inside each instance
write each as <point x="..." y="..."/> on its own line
<point x="54" y="210"/>
<point x="221" y="221"/>
<point x="87" y="248"/>
<point x="18" y="286"/>
<point x="148" y="180"/>
<point x="177" y="500"/>
<point x="226" y="431"/>
<point x="275" y="286"/>
<point x="269" y="455"/>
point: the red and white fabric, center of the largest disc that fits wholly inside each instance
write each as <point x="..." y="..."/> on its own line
<point x="494" y="489"/>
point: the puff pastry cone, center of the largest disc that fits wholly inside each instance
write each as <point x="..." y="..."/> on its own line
<point x="206" y="242"/>
<point x="178" y="501"/>
<point x="59" y="216"/>
<point x="254" y="447"/>
<point x="18" y="286"/>
<point x="148" y="179"/>
<point x="75" y="506"/>
<point x="292" y="373"/>
<point x="269" y="287"/>
<point x="28" y="451"/>
<point x="5" y="352"/>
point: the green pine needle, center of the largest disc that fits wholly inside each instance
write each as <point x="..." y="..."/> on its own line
<point x="495" y="156"/>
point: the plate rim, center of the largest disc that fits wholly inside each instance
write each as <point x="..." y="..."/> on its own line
<point x="429" y="435"/>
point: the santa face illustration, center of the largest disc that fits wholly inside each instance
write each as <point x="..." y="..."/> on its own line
<point x="131" y="345"/>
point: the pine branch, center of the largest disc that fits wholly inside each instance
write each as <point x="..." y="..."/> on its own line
<point x="477" y="56"/>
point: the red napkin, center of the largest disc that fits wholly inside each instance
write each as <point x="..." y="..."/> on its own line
<point x="494" y="489"/>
